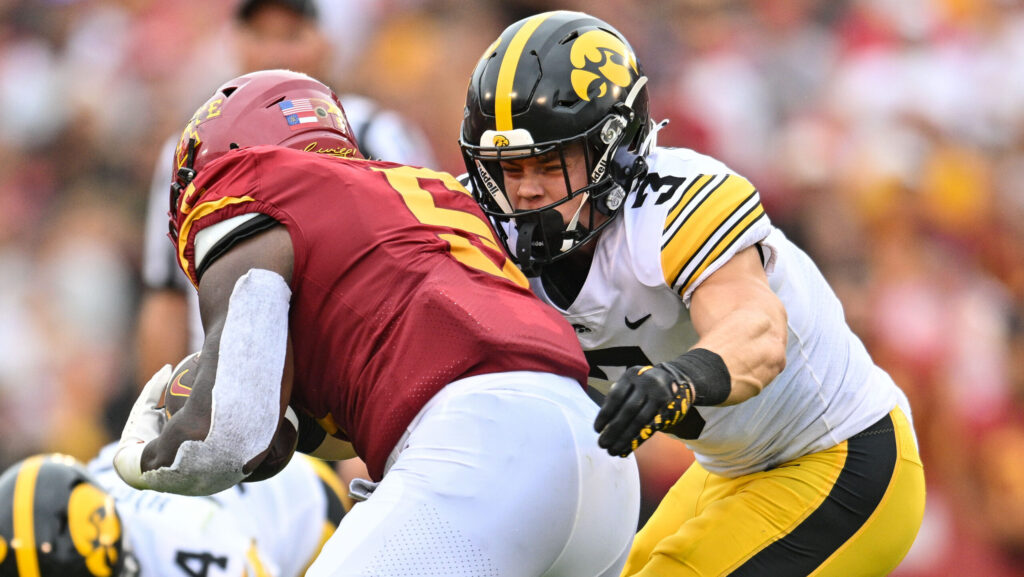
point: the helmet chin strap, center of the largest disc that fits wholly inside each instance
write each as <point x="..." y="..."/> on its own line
<point x="537" y="232"/>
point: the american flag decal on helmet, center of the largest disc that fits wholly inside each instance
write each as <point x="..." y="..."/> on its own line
<point x="298" y="112"/>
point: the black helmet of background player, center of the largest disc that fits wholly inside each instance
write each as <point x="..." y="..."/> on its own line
<point x="275" y="107"/>
<point x="550" y="82"/>
<point x="55" y="520"/>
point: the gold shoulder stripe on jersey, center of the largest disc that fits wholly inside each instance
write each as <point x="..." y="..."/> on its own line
<point x="255" y="562"/>
<point x="691" y="191"/>
<point x="198" y="212"/>
<point x="507" y="72"/>
<point x="701" y="225"/>
<point x="743" y="225"/>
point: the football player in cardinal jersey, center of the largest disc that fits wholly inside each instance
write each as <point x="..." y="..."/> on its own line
<point x="266" y="34"/>
<point x="701" y="318"/>
<point x="60" y="518"/>
<point x="374" y="298"/>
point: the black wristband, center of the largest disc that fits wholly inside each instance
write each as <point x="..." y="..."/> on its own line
<point x="706" y="369"/>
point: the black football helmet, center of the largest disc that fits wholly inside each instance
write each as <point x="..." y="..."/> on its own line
<point x="549" y="82"/>
<point x="56" y="520"/>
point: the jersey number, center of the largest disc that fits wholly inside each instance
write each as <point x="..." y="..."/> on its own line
<point x="406" y="181"/>
<point x="692" y="424"/>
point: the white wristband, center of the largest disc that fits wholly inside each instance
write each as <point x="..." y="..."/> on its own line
<point x="128" y="464"/>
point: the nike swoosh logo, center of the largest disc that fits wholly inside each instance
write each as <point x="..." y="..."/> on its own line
<point x="179" y="390"/>
<point x="634" y="325"/>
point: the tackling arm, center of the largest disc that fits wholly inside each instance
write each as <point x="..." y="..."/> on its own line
<point x="738" y="317"/>
<point x="742" y="347"/>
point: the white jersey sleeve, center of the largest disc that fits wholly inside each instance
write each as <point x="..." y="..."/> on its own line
<point x="705" y="212"/>
<point x="273" y="528"/>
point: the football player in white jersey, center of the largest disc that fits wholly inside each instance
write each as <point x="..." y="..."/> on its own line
<point x="60" y="518"/>
<point x="699" y="318"/>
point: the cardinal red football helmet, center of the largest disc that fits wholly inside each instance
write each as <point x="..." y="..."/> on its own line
<point x="269" y="107"/>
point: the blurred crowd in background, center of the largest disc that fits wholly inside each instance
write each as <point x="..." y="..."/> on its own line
<point x="886" y="137"/>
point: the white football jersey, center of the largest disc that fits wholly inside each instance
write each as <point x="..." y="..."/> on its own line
<point x="272" y="528"/>
<point x="689" y="217"/>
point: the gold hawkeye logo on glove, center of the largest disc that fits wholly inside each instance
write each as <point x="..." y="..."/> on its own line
<point x="674" y="411"/>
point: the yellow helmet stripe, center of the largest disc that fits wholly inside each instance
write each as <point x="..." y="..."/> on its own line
<point x="24" y="541"/>
<point x="507" y="72"/>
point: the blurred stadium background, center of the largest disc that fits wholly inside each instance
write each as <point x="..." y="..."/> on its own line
<point x="886" y="136"/>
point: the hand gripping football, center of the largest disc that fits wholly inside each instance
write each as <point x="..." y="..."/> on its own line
<point x="177" y="392"/>
<point x="179" y="387"/>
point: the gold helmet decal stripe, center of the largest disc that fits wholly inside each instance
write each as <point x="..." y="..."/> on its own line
<point x="24" y="541"/>
<point x="507" y="73"/>
<point x="599" y="56"/>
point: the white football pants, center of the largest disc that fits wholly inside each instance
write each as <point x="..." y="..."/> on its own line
<point x="498" y="475"/>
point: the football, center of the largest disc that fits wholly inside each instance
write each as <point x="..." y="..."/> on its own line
<point x="282" y="447"/>
<point x="180" y="386"/>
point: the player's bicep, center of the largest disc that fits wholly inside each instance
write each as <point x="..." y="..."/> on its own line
<point x="269" y="249"/>
<point x="740" y="283"/>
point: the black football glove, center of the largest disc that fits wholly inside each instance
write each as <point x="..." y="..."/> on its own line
<point x="642" y="401"/>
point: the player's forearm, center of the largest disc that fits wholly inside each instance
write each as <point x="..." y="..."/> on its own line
<point x="752" y="343"/>
<point x="161" y="451"/>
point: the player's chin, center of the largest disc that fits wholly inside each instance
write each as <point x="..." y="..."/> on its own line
<point x="276" y="457"/>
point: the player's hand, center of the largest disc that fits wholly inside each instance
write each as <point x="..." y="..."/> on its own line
<point x="144" y="424"/>
<point x="644" y="400"/>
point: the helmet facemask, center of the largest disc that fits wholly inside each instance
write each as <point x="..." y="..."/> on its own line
<point x="613" y="162"/>
<point x="556" y="83"/>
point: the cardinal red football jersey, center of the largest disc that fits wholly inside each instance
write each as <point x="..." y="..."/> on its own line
<point x="399" y="286"/>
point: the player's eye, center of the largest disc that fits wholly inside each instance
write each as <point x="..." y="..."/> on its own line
<point x="511" y="169"/>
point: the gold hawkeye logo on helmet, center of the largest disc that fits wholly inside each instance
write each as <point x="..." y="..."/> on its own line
<point x="600" y="56"/>
<point x="94" y="527"/>
<point x="500" y="141"/>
